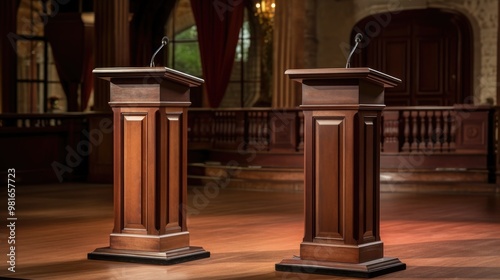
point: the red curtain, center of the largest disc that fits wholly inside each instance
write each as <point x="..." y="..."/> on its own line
<point x="71" y="44"/>
<point x="8" y="57"/>
<point x="88" y="65"/>
<point x="218" y="24"/>
<point x="147" y="29"/>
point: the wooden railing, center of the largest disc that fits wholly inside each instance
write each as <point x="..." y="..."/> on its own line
<point x="415" y="129"/>
<point x="438" y="129"/>
<point x="452" y="137"/>
<point x="241" y="129"/>
<point x="247" y="137"/>
<point x="48" y="147"/>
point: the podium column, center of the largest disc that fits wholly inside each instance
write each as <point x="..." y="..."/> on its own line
<point x="342" y="117"/>
<point x="150" y="166"/>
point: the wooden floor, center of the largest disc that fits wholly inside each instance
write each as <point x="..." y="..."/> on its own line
<point x="438" y="236"/>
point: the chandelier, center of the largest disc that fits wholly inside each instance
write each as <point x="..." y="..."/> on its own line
<point x="265" y="9"/>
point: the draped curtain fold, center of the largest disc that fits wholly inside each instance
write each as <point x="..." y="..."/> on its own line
<point x="88" y="65"/>
<point x="8" y="58"/>
<point x="288" y="51"/>
<point x="147" y="29"/>
<point x="218" y="24"/>
<point x="71" y="44"/>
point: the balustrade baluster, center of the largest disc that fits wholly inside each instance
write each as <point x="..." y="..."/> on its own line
<point x="240" y="128"/>
<point x="452" y="130"/>
<point x="446" y="131"/>
<point x="414" y="132"/>
<point x="213" y="127"/>
<point x="406" y="121"/>
<point x="207" y="128"/>
<point x="222" y="127"/>
<point x="265" y="129"/>
<point x="236" y="122"/>
<point x="256" y="129"/>
<point x="200" y="131"/>
<point x="422" y="143"/>
<point x="258" y="133"/>
<point x="431" y="133"/>
<point x="259" y="137"/>
<point x="227" y="127"/>
<point x="220" y="121"/>
<point x="193" y="132"/>
<point x="390" y="141"/>
<point x="251" y="128"/>
<point x="232" y="127"/>
<point x="218" y="127"/>
<point x="396" y="132"/>
<point x="439" y="132"/>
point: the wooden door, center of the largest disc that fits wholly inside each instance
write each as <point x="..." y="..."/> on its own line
<point x="430" y="50"/>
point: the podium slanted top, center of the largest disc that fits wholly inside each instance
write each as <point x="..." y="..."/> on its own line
<point x="364" y="73"/>
<point x="148" y="73"/>
<point x="148" y="86"/>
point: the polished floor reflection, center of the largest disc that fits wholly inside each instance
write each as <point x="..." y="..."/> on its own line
<point x="438" y="236"/>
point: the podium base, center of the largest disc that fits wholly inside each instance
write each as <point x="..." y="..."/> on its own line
<point x="361" y="270"/>
<point x="146" y="257"/>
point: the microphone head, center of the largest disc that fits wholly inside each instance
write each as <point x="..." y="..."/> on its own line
<point x="358" y="38"/>
<point x="164" y="40"/>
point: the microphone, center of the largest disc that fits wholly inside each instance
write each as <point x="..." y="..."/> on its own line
<point x="357" y="39"/>
<point x="164" y="42"/>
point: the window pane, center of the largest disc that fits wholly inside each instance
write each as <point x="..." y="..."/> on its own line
<point x="187" y="58"/>
<point x="30" y="76"/>
<point x="183" y="55"/>
<point x="189" y="34"/>
<point x="232" y="98"/>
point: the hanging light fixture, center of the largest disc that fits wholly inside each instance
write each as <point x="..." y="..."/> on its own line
<point x="265" y="9"/>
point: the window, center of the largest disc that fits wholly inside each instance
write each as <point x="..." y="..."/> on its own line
<point x="244" y="86"/>
<point x="183" y="50"/>
<point x="37" y="79"/>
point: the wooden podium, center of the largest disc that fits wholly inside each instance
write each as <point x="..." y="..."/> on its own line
<point x="150" y="166"/>
<point x="342" y="116"/>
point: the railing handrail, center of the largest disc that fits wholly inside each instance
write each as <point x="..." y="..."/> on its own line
<point x="470" y="107"/>
<point x="418" y="108"/>
<point x="245" y="109"/>
<point x="36" y="120"/>
<point x="50" y="115"/>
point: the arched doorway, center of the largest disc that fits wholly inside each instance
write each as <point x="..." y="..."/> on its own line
<point x="429" y="49"/>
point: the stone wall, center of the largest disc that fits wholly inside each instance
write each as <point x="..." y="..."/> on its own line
<point x="335" y="20"/>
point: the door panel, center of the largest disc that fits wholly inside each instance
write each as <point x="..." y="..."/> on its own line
<point x="429" y="50"/>
<point x="429" y="64"/>
<point x="396" y="60"/>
